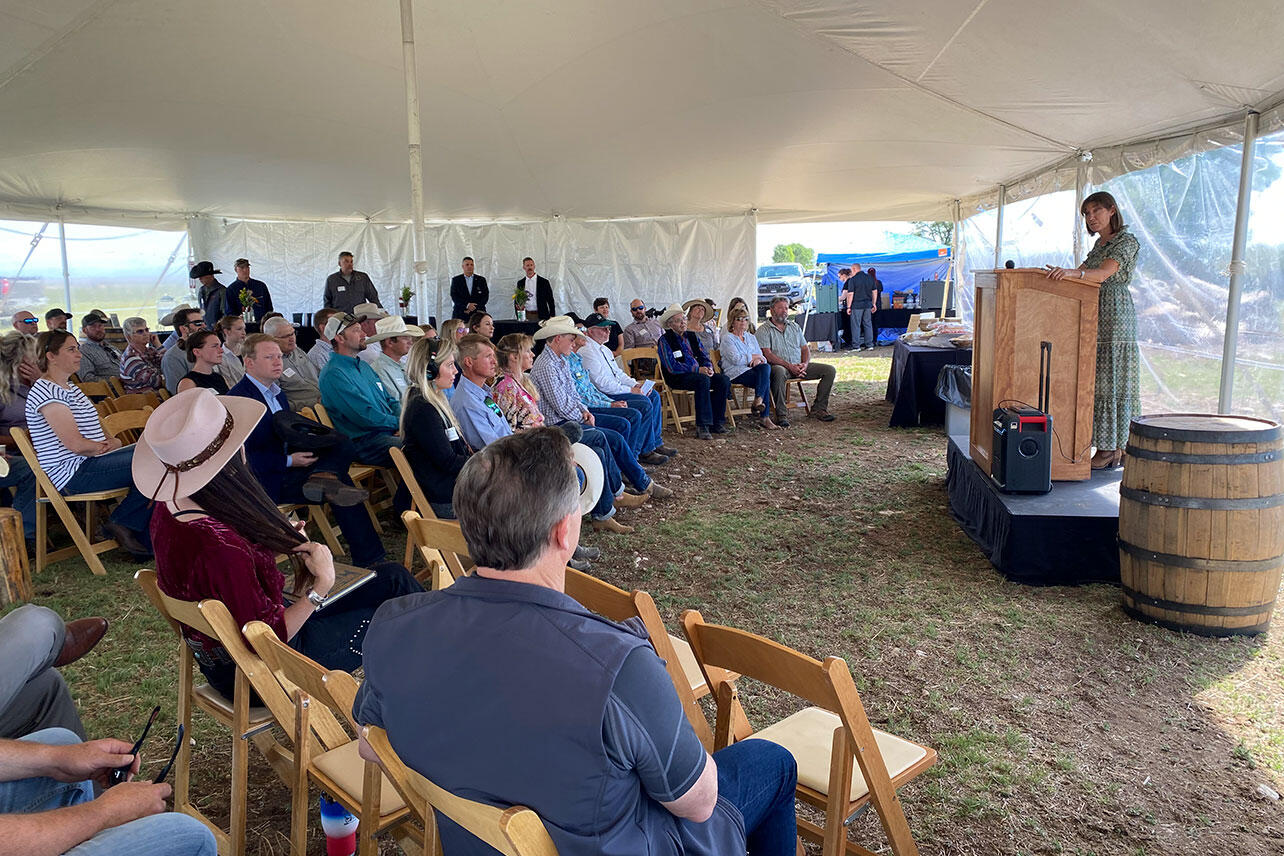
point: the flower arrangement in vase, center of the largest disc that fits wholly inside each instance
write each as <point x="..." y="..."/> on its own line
<point x="407" y="294"/>
<point x="248" y="302"/>
<point x="519" y="301"/>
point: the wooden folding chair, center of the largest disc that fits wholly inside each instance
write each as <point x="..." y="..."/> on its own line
<point x="47" y="495"/>
<point x="362" y="475"/>
<point x="323" y="751"/>
<point x="824" y="739"/>
<point x="126" y="425"/>
<point x="117" y="388"/>
<point x="676" y="416"/>
<point x="629" y="356"/>
<point x="418" y="501"/>
<point x="800" y="384"/>
<point x="514" y="831"/>
<point x="442" y="547"/>
<point x="133" y="401"/>
<point x="246" y="724"/>
<point x="96" y="390"/>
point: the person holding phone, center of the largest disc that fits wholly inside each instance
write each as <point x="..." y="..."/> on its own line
<point x="217" y="534"/>
<point x="47" y="805"/>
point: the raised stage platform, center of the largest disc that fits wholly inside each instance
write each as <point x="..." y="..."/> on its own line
<point x="1066" y="537"/>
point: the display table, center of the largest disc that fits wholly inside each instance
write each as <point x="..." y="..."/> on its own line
<point x="823" y="327"/>
<point x="508" y="325"/>
<point x="911" y="386"/>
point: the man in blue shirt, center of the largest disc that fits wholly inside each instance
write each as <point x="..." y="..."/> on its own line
<point x="357" y="403"/>
<point x="520" y="673"/>
<point x="301" y="477"/>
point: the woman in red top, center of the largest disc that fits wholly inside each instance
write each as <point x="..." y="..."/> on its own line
<point x="217" y="534"/>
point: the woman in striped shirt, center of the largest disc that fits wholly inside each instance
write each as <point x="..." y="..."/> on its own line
<point x="72" y="447"/>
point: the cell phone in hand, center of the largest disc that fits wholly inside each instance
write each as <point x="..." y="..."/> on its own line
<point x="120" y="774"/>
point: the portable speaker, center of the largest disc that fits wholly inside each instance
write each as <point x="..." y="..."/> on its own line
<point x="1021" y="459"/>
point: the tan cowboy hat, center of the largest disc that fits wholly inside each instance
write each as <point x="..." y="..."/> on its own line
<point x="368" y="311"/>
<point x="168" y="320"/>
<point x="393" y="325"/>
<point x="188" y="440"/>
<point x="556" y="326"/>
<point x="587" y="461"/>
<point x="674" y="309"/>
<point x="708" y="307"/>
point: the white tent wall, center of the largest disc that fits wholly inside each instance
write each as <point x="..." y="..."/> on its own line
<point x="660" y="260"/>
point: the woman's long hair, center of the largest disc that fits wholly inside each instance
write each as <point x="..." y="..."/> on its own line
<point x="1105" y="200"/>
<point x="14" y="348"/>
<point x="422" y="385"/>
<point x="514" y="345"/>
<point x="449" y="330"/>
<point x="235" y="497"/>
<point x="197" y="340"/>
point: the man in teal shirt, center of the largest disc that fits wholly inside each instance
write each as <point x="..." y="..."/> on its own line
<point x="354" y="396"/>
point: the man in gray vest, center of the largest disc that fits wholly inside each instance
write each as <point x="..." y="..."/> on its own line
<point x="534" y="700"/>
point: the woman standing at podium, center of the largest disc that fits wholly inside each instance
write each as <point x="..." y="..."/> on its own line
<point x="1111" y="262"/>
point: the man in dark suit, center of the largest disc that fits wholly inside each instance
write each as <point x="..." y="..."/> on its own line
<point x="469" y="293"/>
<point x="542" y="289"/>
<point x="301" y="477"/>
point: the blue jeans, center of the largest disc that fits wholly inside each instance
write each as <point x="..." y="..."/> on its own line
<point x="652" y="416"/>
<point x="33" y="695"/>
<point x="626" y="421"/>
<point x="757" y="378"/>
<point x="710" y="395"/>
<point x="165" y="834"/>
<point x="612" y="482"/>
<point x="759" y="778"/>
<point x="110" y="471"/>
<point x="23" y="482"/>
<point x="630" y="469"/>
<point x="372" y="448"/>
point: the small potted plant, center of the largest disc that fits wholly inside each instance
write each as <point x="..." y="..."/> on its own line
<point x="407" y="294"/>
<point x="519" y="302"/>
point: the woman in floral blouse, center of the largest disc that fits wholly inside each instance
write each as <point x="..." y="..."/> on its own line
<point x="1111" y="262"/>
<point x="514" y="392"/>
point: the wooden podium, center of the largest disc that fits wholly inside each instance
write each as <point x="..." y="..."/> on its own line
<point x="1015" y="311"/>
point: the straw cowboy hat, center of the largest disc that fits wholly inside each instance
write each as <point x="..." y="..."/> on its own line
<point x="674" y="309"/>
<point x="587" y="462"/>
<point x="556" y="326"/>
<point x="368" y="311"/>
<point x="393" y="325"/>
<point x="188" y="440"/>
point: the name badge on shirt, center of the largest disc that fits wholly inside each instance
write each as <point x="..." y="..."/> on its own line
<point x="452" y="434"/>
<point x="289" y="372"/>
<point x="677" y="355"/>
<point x="342" y="288"/>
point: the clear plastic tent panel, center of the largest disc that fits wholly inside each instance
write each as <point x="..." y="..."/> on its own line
<point x="120" y="271"/>
<point x="1183" y="214"/>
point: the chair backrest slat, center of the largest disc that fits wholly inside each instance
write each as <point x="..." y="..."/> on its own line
<point x="296" y="672"/>
<point x="442" y="536"/>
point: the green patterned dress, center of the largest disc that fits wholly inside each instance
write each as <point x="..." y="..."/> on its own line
<point x="1118" y="395"/>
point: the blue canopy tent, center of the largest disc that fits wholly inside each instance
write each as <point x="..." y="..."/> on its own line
<point x="901" y="271"/>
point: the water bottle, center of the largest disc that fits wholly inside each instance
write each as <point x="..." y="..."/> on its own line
<point x="340" y="828"/>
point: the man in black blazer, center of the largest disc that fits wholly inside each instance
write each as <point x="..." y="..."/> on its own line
<point x="469" y="293"/>
<point x="301" y="477"/>
<point x="542" y="287"/>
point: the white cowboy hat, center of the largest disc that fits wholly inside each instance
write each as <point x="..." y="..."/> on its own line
<point x="555" y="326"/>
<point x="587" y="462"/>
<point x="393" y="325"/>
<point x="188" y="440"/>
<point x="168" y="320"/>
<point x="368" y="311"/>
<point x="674" y="309"/>
<point x="708" y="307"/>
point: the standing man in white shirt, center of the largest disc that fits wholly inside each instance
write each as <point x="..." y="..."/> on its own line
<point x="540" y="287"/>
<point x="606" y="375"/>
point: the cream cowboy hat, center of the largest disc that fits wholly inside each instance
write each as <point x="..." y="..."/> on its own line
<point x="168" y="320"/>
<point x="556" y="326"/>
<point x="368" y="311"/>
<point x="393" y="325"/>
<point x="674" y="309"/>
<point x="708" y="307"/>
<point x="587" y="462"/>
<point x="188" y="440"/>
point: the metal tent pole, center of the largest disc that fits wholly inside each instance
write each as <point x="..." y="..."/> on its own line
<point x="1080" y="185"/>
<point x="1230" y="341"/>
<point x="998" y="227"/>
<point x="419" y="239"/>
<point x="66" y="271"/>
<point x="952" y="281"/>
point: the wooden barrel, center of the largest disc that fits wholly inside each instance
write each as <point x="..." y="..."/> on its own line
<point x="1201" y="522"/>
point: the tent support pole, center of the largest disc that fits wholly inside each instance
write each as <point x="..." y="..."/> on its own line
<point x="419" y="239"/>
<point x="998" y="227"/>
<point x="1230" y="342"/>
<point x="1080" y="188"/>
<point x="66" y="271"/>
<point x="954" y="278"/>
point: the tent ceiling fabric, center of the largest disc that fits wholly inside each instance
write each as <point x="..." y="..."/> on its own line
<point x="803" y="109"/>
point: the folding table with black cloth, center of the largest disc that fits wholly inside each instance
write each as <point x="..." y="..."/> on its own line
<point x="911" y="386"/>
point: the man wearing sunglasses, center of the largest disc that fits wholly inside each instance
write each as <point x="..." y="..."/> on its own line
<point x="362" y="409"/>
<point x="174" y="364"/>
<point x="25" y="322"/>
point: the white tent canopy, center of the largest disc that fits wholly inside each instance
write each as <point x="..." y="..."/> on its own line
<point x="150" y="112"/>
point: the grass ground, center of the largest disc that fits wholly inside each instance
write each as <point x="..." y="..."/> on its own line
<point x="1062" y="725"/>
